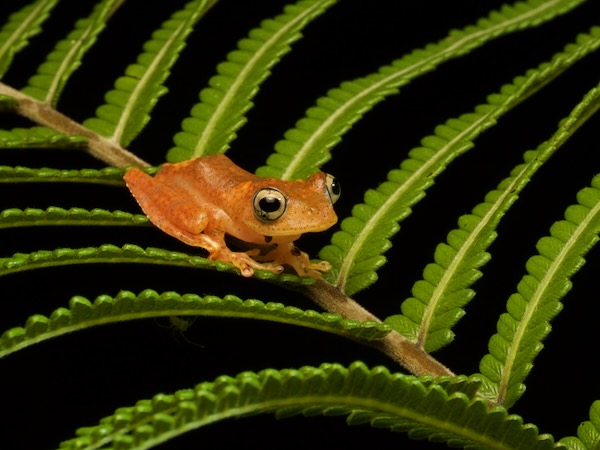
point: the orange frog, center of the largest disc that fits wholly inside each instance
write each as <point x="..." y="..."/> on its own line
<point x="200" y="200"/>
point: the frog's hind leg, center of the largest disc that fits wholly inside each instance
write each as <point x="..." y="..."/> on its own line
<point x="174" y="212"/>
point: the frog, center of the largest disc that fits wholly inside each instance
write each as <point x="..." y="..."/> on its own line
<point x="202" y="200"/>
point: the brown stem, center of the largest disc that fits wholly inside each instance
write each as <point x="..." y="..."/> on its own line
<point x="99" y="147"/>
<point x="406" y="353"/>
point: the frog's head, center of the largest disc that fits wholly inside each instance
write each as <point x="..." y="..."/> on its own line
<point x="291" y="208"/>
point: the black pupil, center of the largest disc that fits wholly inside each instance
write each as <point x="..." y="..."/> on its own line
<point x="335" y="187"/>
<point x="269" y="204"/>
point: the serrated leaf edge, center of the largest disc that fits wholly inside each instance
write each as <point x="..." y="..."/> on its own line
<point x="15" y="217"/>
<point x="507" y="389"/>
<point x="126" y="306"/>
<point x="376" y="396"/>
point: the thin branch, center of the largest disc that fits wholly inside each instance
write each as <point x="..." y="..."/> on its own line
<point x="105" y="150"/>
<point x="394" y="345"/>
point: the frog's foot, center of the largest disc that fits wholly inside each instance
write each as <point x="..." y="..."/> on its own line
<point x="244" y="262"/>
<point x="292" y="256"/>
<point x="312" y="269"/>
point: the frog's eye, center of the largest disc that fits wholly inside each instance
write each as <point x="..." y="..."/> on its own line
<point x="269" y="204"/>
<point x="333" y="188"/>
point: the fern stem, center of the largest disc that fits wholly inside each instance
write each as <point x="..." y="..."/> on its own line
<point x="398" y="348"/>
<point x="105" y="150"/>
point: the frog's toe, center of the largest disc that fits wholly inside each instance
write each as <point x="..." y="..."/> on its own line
<point x="270" y="266"/>
<point x="245" y="270"/>
<point x="246" y="264"/>
<point x="321" y="266"/>
<point x="315" y="269"/>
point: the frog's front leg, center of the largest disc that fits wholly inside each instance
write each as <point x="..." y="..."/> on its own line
<point x="245" y="261"/>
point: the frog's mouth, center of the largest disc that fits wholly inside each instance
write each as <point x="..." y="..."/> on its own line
<point x="291" y="232"/>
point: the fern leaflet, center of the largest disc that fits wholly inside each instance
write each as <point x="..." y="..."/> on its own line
<point x="537" y="300"/>
<point x="22" y="26"/>
<point x="39" y="137"/>
<point x="220" y="113"/>
<point x="129" y="104"/>
<point x="108" y="253"/>
<point x="73" y="216"/>
<point x="306" y="147"/>
<point x="356" y="252"/>
<point x="440" y="297"/>
<point x="52" y="75"/>
<point x="108" y="175"/>
<point x="394" y="401"/>
<point x="82" y="314"/>
<point x="588" y="433"/>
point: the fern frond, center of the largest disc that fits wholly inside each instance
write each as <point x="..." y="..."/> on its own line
<point x="394" y="401"/>
<point x="108" y="175"/>
<point x="15" y="217"/>
<point x="537" y="300"/>
<point x="129" y="104"/>
<point x="307" y="146"/>
<point x="588" y="433"/>
<point x="66" y="57"/>
<point x="22" y="26"/>
<point x="128" y="253"/>
<point x="438" y="300"/>
<point x="82" y="314"/>
<point x="215" y="120"/>
<point x="356" y="252"/>
<point x="39" y="137"/>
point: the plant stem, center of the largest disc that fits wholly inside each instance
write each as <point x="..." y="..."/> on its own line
<point x="104" y="149"/>
<point x="406" y="353"/>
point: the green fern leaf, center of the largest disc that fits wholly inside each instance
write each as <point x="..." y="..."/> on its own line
<point x="572" y="443"/>
<point x="215" y="120"/>
<point x="129" y="104"/>
<point x="356" y="252"/>
<point x="305" y="148"/>
<point x="22" y="26"/>
<point x="39" y="137"/>
<point x="127" y="254"/>
<point x="438" y="300"/>
<point x="588" y="434"/>
<point x="66" y="57"/>
<point x="395" y="401"/>
<point x="108" y="175"/>
<point x="74" y="216"/>
<point x="82" y="314"/>
<point x="537" y="300"/>
<point x="103" y="254"/>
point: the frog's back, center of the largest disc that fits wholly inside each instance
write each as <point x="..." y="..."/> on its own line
<point x="210" y="179"/>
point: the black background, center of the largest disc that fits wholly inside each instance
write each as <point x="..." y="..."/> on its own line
<point x="52" y="388"/>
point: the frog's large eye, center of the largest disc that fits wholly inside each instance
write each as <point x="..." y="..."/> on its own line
<point x="333" y="188"/>
<point x="269" y="204"/>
